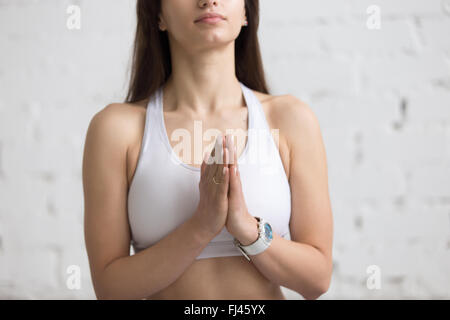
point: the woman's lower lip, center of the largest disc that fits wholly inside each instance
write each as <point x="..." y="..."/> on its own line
<point x="210" y="20"/>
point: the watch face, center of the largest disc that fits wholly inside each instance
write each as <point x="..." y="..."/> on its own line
<point x="268" y="231"/>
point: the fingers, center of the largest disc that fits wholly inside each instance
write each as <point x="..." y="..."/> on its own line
<point x="223" y="160"/>
<point x="206" y="164"/>
<point x="233" y="154"/>
<point x="213" y="159"/>
<point x="213" y="166"/>
<point x="235" y="164"/>
<point x="203" y="166"/>
<point x="235" y="157"/>
<point x="224" y="186"/>
<point x="232" y="149"/>
<point x="223" y="170"/>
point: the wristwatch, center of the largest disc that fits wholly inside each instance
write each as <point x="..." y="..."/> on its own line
<point x="265" y="237"/>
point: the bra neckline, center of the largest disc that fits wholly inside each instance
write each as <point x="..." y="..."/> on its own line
<point x="160" y="110"/>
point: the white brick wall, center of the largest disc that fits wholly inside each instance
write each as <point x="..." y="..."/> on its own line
<point x="382" y="98"/>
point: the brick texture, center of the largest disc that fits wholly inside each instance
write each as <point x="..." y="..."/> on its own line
<point x="382" y="97"/>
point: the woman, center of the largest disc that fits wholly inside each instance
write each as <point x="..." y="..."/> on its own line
<point x="195" y="229"/>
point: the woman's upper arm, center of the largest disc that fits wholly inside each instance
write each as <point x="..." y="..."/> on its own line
<point x="311" y="215"/>
<point x="106" y="228"/>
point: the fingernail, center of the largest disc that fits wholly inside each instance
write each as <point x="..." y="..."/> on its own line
<point x="224" y="170"/>
<point x="235" y="171"/>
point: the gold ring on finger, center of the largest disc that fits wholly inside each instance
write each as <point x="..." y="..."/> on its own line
<point x="214" y="179"/>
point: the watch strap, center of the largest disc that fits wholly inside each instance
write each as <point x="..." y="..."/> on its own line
<point x="259" y="245"/>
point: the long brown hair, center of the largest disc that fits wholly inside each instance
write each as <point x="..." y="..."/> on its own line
<point x="151" y="65"/>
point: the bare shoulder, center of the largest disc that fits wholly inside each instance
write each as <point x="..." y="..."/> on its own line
<point x="120" y="114"/>
<point x="117" y="123"/>
<point x="294" y="125"/>
<point x="292" y="111"/>
<point x="289" y="114"/>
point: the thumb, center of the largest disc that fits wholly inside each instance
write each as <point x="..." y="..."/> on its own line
<point x="225" y="180"/>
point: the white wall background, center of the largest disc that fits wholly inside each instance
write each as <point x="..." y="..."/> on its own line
<point x="382" y="98"/>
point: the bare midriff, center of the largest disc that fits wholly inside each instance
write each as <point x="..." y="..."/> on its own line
<point x="221" y="278"/>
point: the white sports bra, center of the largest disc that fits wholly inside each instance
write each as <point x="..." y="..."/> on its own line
<point x="164" y="191"/>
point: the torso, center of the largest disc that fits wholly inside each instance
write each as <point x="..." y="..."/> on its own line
<point x="239" y="278"/>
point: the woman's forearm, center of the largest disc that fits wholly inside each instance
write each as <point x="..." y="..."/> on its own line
<point x="155" y="268"/>
<point x="297" y="266"/>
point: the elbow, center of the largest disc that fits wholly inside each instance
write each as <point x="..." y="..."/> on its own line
<point x="316" y="293"/>
<point x="108" y="292"/>
<point x="108" y="297"/>
<point x="102" y="293"/>
<point x="322" y="286"/>
<point x="313" y="294"/>
<point x="102" y="296"/>
<point x="105" y="288"/>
